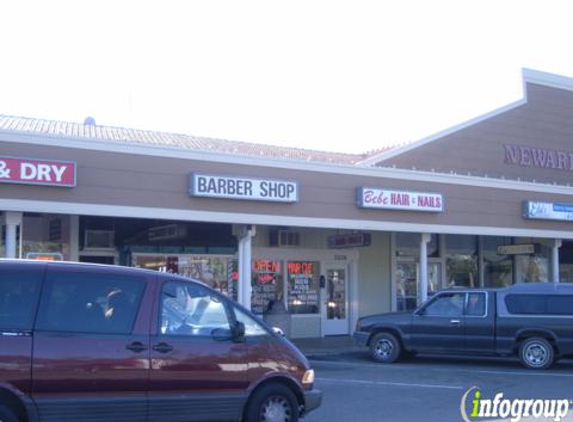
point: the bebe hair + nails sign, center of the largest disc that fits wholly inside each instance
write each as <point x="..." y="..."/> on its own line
<point x="232" y="187"/>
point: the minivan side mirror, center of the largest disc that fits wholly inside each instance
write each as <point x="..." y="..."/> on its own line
<point x="222" y="334"/>
<point x="238" y="331"/>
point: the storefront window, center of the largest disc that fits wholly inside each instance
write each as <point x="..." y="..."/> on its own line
<point x="566" y="262"/>
<point x="303" y="287"/>
<point x="217" y="271"/>
<point x="406" y="286"/>
<point x="46" y="237"/>
<point x="461" y="261"/>
<point x="407" y="283"/>
<point x="408" y="245"/>
<point x="532" y="269"/>
<point x="267" y="284"/>
<point x="498" y="269"/>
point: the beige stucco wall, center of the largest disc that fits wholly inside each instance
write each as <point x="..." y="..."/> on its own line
<point x="374" y="276"/>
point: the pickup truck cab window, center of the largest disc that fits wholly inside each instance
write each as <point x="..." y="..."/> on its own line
<point x="476" y="304"/>
<point x="445" y="304"/>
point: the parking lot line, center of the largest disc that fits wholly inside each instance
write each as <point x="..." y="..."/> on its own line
<point x="390" y="384"/>
<point x="525" y="372"/>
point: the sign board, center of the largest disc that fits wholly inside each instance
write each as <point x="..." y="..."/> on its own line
<point x="524" y="249"/>
<point x="266" y="281"/>
<point x="400" y="200"/>
<point x="303" y="285"/>
<point x="342" y="241"/>
<point x="547" y="211"/>
<point x="230" y="187"/>
<point x="167" y="232"/>
<point x="45" y="256"/>
<point x="525" y="156"/>
<point x="31" y="171"/>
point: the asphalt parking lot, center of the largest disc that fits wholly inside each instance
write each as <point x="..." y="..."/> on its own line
<point x="430" y="388"/>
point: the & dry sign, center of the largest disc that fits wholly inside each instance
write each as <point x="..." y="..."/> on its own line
<point x="33" y="171"/>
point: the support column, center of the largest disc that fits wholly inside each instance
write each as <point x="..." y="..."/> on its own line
<point x="555" y="260"/>
<point x="11" y="220"/>
<point x="74" y="238"/>
<point x="245" y="259"/>
<point x="423" y="288"/>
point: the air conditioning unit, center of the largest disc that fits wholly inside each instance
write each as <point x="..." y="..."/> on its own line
<point x="99" y="239"/>
<point x="283" y="237"/>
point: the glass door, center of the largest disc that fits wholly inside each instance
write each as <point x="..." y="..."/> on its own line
<point x="335" y="310"/>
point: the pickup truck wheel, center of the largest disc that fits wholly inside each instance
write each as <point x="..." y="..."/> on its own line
<point x="536" y="353"/>
<point x="385" y="348"/>
<point x="6" y="415"/>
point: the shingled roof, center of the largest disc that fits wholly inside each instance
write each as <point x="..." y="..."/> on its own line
<point x="71" y="130"/>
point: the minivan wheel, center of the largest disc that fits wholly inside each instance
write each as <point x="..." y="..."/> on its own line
<point x="272" y="403"/>
<point x="6" y="415"/>
<point x="536" y="353"/>
<point x="385" y="348"/>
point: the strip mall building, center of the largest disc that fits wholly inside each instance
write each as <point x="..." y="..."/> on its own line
<point x="333" y="236"/>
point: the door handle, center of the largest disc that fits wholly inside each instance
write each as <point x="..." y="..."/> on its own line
<point x="136" y="347"/>
<point x="162" y="348"/>
<point x="455" y="322"/>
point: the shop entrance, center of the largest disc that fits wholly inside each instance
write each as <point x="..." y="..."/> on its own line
<point x="335" y="319"/>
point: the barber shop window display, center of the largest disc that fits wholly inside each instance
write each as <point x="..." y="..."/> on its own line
<point x="303" y="287"/>
<point x="216" y="271"/>
<point x="267" y="284"/>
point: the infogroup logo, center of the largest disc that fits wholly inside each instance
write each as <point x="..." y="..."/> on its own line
<point x="474" y="406"/>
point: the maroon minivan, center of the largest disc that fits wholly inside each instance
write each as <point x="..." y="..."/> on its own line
<point x="85" y="342"/>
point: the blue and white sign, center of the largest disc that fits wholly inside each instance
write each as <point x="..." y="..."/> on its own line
<point x="548" y="211"/>
<point x="231" y="187"/>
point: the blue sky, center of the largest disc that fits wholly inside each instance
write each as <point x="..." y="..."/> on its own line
<point x="335" y="75"/>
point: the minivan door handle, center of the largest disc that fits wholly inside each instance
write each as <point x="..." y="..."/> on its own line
<point x="136" y="347"/>
<point x="456" y="322"/>
<point x="162" y="348"/>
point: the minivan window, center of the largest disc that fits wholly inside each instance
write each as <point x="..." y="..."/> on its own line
<point x="19" y="291"/>
<point x="90" y="303"/>
<point x="252" y="327"/>
<point x="446" y="304"/>
<point x="189" y="309"/>
<point x="526" y="304"/>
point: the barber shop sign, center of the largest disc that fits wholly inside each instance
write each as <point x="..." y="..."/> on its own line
<point x="232" y="187"/>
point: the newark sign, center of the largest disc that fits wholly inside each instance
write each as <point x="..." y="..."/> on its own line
<point x="524" y="156"/>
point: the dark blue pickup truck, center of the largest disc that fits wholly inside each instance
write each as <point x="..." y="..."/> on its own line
<point x="532" y="321"/>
